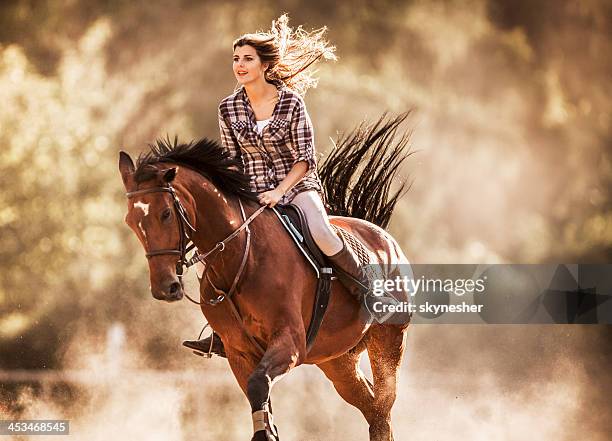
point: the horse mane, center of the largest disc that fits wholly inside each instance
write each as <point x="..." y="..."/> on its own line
<point x="357" y="175"/>
<point x="204" y="156"/>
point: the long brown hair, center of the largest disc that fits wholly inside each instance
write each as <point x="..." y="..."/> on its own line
<point x="289" y="53"/>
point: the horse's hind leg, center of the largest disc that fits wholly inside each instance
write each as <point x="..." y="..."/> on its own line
<point x="281" y="356"/>
<point x="385" y="349"/>
<point x="350" y="382"/>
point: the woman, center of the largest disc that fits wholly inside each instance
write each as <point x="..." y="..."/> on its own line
<point x="266" y="125"/>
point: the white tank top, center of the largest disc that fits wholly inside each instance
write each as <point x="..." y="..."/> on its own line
<point x="261" y="124"/>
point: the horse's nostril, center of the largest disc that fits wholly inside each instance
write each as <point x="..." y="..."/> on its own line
<point x="175" y="287"/>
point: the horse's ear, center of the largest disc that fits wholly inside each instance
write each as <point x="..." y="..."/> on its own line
<point x="126" y="167"/>
<point x="168" y="175"/>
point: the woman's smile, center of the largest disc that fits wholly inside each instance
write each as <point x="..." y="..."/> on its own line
<point x="247" y="64"/>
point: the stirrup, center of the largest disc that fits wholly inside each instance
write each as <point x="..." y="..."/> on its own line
<point x="206" y="347"/>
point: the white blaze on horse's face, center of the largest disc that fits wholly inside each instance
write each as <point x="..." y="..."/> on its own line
<point x="142" y="230"/>
<point x="144" y="207"/>
<point x="145" y="210"/>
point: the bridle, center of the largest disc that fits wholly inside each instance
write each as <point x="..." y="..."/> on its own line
<point x="186" y="245"/>
<point x="183" y="224"/>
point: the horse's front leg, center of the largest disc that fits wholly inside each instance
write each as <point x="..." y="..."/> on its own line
<point x="243" y="365"/>
<point x="282" y="355"/>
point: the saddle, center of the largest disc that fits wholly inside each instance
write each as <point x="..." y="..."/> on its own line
<point x="294" y="221"/>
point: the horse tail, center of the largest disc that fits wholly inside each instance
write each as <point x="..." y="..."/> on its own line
<point x="358" y="173"/>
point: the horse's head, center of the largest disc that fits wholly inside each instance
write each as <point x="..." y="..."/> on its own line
<point x="154" y="217"/>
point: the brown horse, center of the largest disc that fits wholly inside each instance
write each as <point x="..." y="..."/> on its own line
<point x="175" y="188"/>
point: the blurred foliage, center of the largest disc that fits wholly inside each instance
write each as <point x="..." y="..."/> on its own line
<point x="513" y="132"/>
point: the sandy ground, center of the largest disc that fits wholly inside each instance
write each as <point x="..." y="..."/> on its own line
<point x="436" y="401"/>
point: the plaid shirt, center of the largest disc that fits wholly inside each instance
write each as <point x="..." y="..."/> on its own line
<point x="286" y="139"/>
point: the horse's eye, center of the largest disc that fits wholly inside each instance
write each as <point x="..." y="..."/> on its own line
<point x="166" y="214"/>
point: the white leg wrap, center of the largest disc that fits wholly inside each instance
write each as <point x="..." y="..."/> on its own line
<point x="262" y="420"/>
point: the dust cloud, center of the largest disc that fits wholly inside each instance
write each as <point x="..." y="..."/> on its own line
<point x="450" y="388"/>
<point x="512" y="129"/>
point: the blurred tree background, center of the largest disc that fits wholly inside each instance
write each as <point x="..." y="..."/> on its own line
<point x="512" y="128"/>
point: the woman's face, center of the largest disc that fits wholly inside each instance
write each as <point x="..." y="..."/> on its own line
<point x="247" y="65"/>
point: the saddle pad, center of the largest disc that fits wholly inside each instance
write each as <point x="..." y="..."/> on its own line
<point x="355" y="244"/>
<point x="303" y="239"/>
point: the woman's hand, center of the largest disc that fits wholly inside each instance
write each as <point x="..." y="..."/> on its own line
<point x="271" y="198"/>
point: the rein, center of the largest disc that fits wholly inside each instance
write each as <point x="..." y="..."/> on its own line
<point x="186" y="245"/>
<point x="218" y="248"/>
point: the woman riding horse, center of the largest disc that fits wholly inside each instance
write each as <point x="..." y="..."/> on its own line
<point x="258" y="291"/>
<point x="266" y="124"/>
